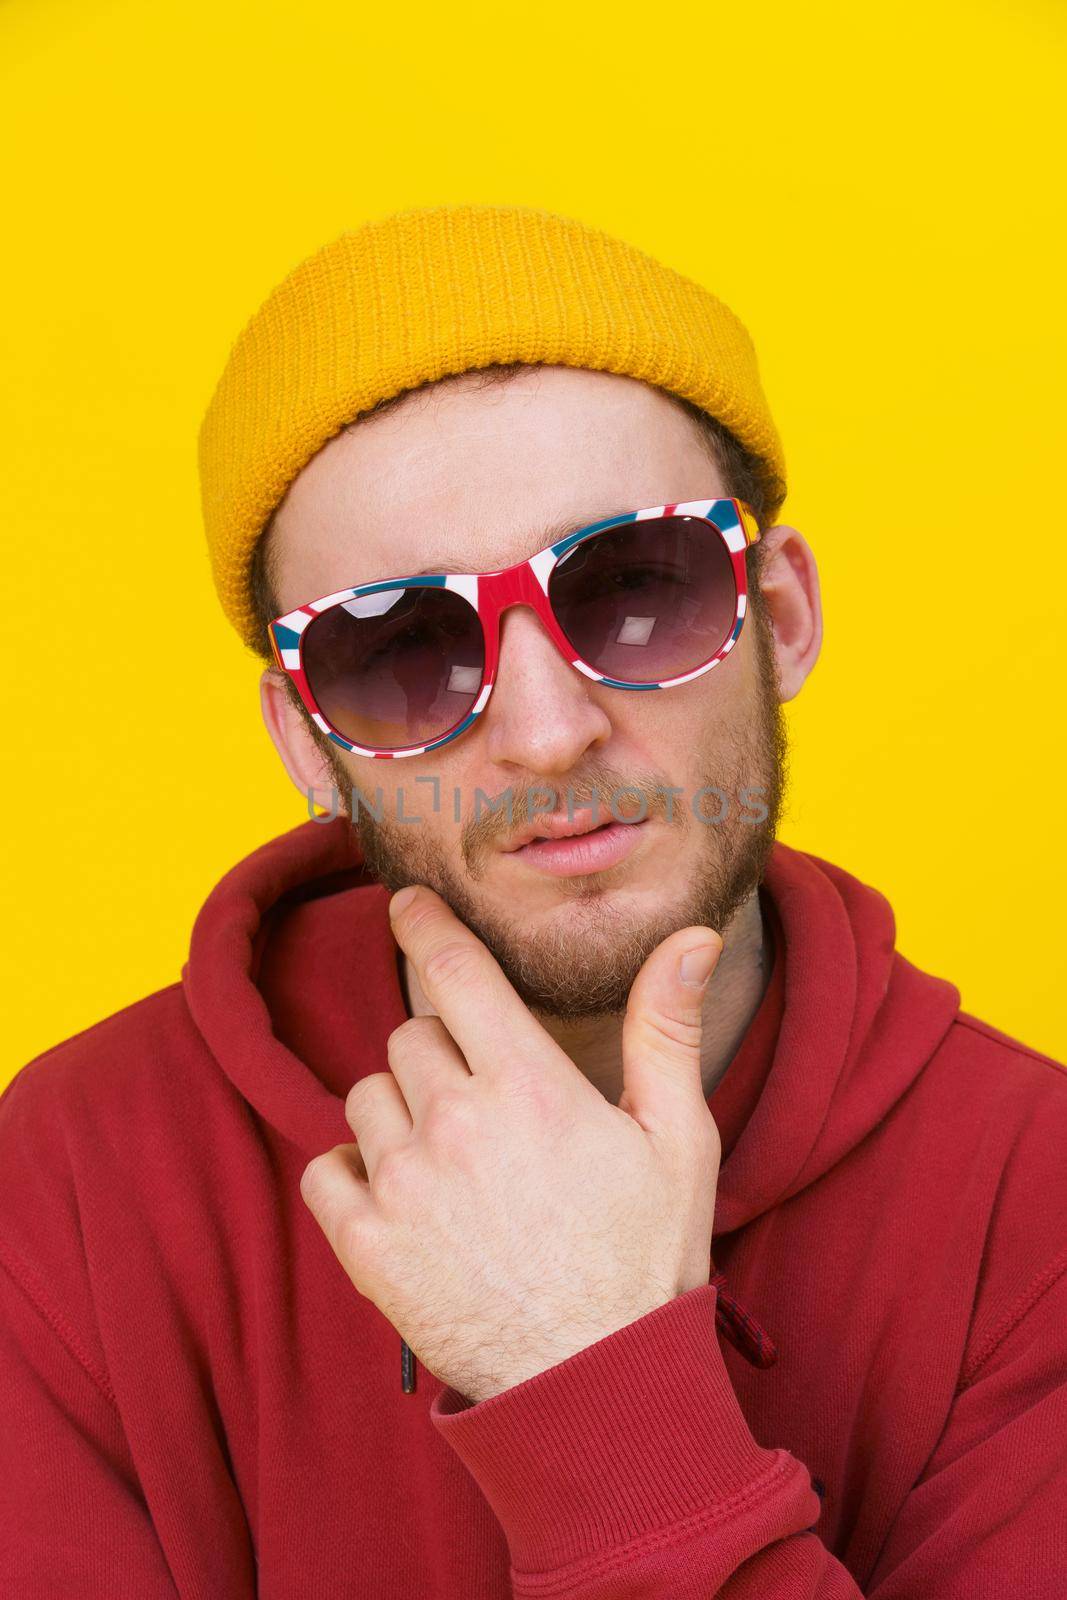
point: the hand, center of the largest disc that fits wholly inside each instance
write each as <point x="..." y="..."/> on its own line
<point x="496" y="1208"/>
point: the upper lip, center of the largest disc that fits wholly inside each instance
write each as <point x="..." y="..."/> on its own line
<point x="560" y="825"/>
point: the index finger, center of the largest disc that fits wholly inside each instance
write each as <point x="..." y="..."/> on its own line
<point x="464" y="982"/>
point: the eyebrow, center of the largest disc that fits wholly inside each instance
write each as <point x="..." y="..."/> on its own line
<point x="548" y="536"/>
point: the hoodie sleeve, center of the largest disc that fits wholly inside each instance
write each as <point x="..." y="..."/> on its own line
<point x="628" y="1472"/>
<point x="988" y="1517"/>
<point x="72" y="1518"/>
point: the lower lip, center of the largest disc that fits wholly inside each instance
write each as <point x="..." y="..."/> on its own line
<point x="583" y="852"/>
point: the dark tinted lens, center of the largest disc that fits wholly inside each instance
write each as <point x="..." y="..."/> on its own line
<point x="395" y="668"/>
<point x="647" y="600"/>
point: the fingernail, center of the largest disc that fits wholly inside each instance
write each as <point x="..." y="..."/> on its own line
<point x="402" y="898"/>
<point x="695" y="966"/>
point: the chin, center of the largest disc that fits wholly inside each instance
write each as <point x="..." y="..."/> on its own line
<point x="594" y="898"/>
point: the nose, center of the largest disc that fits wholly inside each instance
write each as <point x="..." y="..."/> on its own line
<point x="541" y="715"/>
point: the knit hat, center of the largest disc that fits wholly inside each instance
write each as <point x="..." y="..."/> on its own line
<point x="421" y="294"/>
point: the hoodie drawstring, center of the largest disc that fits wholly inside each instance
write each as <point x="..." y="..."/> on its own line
<point x="741" y="1327"/>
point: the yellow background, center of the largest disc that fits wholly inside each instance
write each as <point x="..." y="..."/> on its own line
<point x="878" y="193"/>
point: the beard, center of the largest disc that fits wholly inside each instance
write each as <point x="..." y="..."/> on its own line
<point x="584" y="963"/>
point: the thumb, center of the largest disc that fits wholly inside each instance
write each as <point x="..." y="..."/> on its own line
<point x="661" y="1031"/>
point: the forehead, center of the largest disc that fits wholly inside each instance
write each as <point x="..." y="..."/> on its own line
<point x="466" y="477"/>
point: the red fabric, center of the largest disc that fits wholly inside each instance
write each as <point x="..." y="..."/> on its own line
<point x="197" y="1402"/>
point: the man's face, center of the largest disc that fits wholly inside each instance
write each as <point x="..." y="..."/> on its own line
<point x="465" y="478"/>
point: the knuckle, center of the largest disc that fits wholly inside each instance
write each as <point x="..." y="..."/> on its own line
<point x="422" y="912"/>
<point x="452" y="964"/>
<point x="393" y="1177"/>
<point x="450" y="1121"/>
<point x="354" y="1243"/>
<point x="683" y="1033"/>
<point x="536" y="1094"/>
<point x="712" y="1141"/>
<point x="350" y="1234"/>
<point x="418" y="1027"/>
<point x="411" y="1035"/>
<point x="359" y="1094"/>
<point x="701" y="1143"/>
<point x="311" y="1179"/>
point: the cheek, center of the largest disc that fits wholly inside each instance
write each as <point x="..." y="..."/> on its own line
<point x="383" y="793"/>
<point x="720" y="701"/>
<point x="428" y="799"/>
<point x="674" y="729"/>
<point x="692" y="730"/>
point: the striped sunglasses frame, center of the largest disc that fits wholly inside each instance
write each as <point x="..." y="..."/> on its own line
<point x="525" y="583"/>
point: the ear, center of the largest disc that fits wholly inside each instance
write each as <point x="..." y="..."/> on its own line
<point x="790" y="590"/>
<point x="302" y="759"/>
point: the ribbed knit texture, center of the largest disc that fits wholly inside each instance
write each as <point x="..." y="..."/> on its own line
<point x="425" y="293"/>
<point x="703" y="1467"/>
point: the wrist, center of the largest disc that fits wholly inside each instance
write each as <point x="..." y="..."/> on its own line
<point x="565" y="1343"/>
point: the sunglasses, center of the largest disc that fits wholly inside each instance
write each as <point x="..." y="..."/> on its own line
<point x="645" y="600"/>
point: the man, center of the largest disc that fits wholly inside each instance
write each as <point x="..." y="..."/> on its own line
<point x="726" y="1251"/>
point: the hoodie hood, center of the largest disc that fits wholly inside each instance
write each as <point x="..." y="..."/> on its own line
<point x="300" y="927"/>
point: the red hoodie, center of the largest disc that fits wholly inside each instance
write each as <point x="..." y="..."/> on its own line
<point x="868" y="1398"/>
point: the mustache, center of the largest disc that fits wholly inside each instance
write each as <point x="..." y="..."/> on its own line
<point x="616" y="795"/>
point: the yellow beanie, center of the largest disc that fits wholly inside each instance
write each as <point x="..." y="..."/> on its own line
<point x="424" y="293"/>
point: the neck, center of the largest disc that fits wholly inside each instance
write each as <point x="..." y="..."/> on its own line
<point x="734" y="993"/>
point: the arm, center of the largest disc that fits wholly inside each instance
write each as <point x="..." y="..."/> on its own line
<point x="111" y="1484"/>
<point x="988" y="1516"/>
<point x="72" y="1517"/>
<point x="628" y="1472"/>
